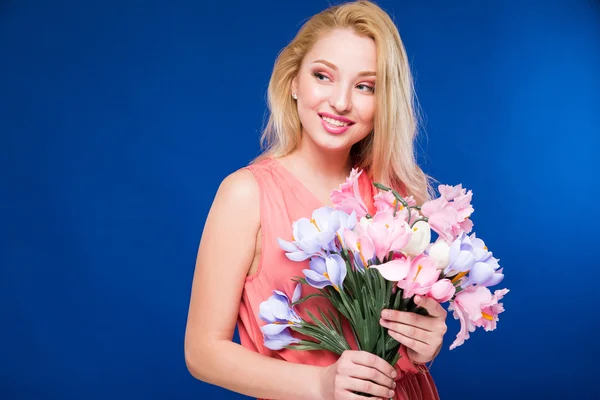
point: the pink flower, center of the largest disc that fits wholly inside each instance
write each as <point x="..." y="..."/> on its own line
<point x="388" y="233"/>
<point x="361" y="245"/>
<point x="449" y="214"/>
<point x="422" y="276"/>
<point x="385" y="201"/>
<point x="476" y="307"/>
<point x="442" y="290"/>
<point x="395" y="270"/>
<point x="347" y="198"/>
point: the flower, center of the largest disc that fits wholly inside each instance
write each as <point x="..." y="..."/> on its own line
<point x="310" y="236"/>
<point x="476" y="307"/>
<point x="461" y="257"/>
<point x="419" y="239"/>
<point x="348" y="198"/>
<point x="420" y="278"/>
<point x="362" y="246"/>
<point x="449" y="214"/>
<point x="388" y="233"/>
<point x="439" y="252"/>
<point x="339" y="222"/>
<point x="327" y="271"/>
<point x="386" y="201"/>
<point x="278" y="313"/>
<point x="280" y="340"/>
<point x="394" y="270"/>
<point x="442" y="290"/>
<point x="469" y="255"/>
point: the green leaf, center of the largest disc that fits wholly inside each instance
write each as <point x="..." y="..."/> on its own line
<point x="303" y="299"/>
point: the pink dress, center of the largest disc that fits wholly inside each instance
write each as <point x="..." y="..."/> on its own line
<point x="284" y="199"/>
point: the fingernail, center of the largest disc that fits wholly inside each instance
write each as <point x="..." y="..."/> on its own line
<point x="385" y="314"/>
<point x="417" y="299"/>
<point x="392" y="393"/>
<point x="394" y="374"/>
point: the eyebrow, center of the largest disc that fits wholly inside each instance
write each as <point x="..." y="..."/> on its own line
<point x="333" y="67"/>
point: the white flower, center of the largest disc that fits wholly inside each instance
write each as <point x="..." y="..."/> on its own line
<point x="419" y="240"/>
<point x="440" y="253"/>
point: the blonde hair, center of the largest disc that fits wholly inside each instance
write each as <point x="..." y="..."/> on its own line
<point x="387" y="153"/>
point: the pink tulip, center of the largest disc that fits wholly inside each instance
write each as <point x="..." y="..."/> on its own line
<point x="476" y="307"/>
<point x="442" y="290"/>
<point x="395" y="270"/>
<point x="388" y="233"/>
<point x="422" y="276"/>
<point x="348" y="198"/>
<point x="361" y="245"/>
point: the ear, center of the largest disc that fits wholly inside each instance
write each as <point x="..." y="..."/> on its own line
<point x="294" y="86"/>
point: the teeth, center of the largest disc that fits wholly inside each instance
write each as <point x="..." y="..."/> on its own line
<point x="335" y="122"/>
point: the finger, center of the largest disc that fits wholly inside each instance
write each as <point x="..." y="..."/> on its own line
<point x="433" y="307"/>
<point x="408" y="330"/>
<point x="415" y="345"/>
<point x="368" y="387"/>
<point x="409" y="318"/>
<point x="370" y="374"/>
<point x="371" y="360"/>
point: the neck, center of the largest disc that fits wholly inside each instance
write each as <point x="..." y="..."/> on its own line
<point x="326" y="165"/>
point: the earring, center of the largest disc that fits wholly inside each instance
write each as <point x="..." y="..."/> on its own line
<point x="294" y="96"/>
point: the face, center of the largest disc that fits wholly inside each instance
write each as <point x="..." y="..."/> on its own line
<point x="335" y="90"/>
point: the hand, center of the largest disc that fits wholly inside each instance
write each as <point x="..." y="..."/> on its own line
<point x="357" y="371"/>
<point x="422" y="335"/>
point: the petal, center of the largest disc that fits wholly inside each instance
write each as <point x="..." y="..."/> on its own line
<point x="480" y="273"/>
<point x="273" y="329"/>
<point x="298" y="256"/>
<point x="287" y="246"/>
<point x="318" y="284"/>
<point x="265" y="312"/>
<point x="279" y="341"/>
<point x="318" y="265"/>
<point x="367" y="248"/>
<point x="336" y="269"/>
<point x="314" y="276"/>
<point x="297" y="293"/>
<point x="305" y="229"/>
<point x="395" y="270"/>
<point x="351" y="239"/>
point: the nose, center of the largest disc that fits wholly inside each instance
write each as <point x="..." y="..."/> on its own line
<point x="341" y="99"/>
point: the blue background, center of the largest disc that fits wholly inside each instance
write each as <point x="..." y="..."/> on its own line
<point x="120" y="119"/>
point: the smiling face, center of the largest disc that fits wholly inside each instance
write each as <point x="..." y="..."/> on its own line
<point x="335" y="90"/>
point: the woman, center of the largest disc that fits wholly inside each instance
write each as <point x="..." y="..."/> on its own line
<point x="340" y="96"/>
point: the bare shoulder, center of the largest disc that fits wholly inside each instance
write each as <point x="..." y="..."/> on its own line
<point x="239" y="191"/>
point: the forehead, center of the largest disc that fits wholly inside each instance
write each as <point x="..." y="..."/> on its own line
<point x="347" y="50"/>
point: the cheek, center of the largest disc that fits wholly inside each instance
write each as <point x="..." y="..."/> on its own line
<point x="366" y="110"/>
<point x="313" y="96"/>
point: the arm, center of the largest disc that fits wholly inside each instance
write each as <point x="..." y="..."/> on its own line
<point x="224" y="256"/>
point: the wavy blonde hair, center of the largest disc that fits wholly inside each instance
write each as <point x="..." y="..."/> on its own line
<point x="387" y="153"/>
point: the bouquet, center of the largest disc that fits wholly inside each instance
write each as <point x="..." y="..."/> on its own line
<point x="365" y="263"/>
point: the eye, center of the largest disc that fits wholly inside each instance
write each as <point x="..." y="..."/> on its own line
<point x="319" y="76"/>
<point x="366" y="87"/>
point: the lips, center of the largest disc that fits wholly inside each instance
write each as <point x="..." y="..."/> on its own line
<point x="337" y="118"/>
<point x="334" y="129"/>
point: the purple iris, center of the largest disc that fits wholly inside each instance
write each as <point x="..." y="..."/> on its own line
<point x="316" y="236"/>
<point x="278" y="313"/>
<point x="327" y="271"/>
<point x="469" y="254"/>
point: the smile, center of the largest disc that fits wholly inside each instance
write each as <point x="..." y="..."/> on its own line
<point x="335" y="126"/>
